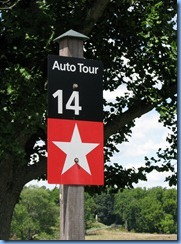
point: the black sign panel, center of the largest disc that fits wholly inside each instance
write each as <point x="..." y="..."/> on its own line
<point x="75" y="88"/>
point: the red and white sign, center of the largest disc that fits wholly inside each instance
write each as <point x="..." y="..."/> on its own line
<point x="75" y="152"/>
<point x="75" y="121"/>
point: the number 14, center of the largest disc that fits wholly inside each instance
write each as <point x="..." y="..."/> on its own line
<point x="72" y="103"/>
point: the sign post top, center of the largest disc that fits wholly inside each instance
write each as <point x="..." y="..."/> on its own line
<point x="71" y="34"/>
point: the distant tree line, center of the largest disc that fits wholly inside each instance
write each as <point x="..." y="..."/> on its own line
<point x="151" y="210"/>
<point x="36" y="216"/>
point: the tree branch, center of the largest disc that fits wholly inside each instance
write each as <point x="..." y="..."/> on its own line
<point x="34" y="171"/>
<point x="137" y="110"/>
<point x="10" y="7"/>
<point x="93" y="15"/>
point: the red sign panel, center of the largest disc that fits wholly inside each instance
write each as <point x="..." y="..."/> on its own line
<point x="75" y="152"/>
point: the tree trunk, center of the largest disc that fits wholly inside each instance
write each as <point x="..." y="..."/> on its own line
<point x="8" y="199"/>
<point x="10" y="189"/>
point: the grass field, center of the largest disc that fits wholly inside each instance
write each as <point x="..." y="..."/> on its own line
<point x="116" y="234"/>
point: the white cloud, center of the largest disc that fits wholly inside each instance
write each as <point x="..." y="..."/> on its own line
<point x="147" y="137"/>
<point x="154" y="179"/>
<point x="111" y="95"/>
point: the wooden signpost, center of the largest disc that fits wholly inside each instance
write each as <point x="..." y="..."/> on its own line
<point x="75" y="129"/>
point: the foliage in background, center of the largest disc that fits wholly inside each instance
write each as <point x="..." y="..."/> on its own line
<point x="153" y="210"/>
<point x="90" y="211"/>
<point x="104" y="208"/>
<point x="36" y="216"/>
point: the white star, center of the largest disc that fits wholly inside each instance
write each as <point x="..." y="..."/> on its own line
<point x="76" y="151"/>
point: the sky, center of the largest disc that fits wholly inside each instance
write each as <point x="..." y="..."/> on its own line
<point x="147" y="137"/>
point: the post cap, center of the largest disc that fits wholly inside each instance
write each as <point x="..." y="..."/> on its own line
<point x="71" y="34"/>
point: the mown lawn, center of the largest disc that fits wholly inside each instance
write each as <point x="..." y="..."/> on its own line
<point x="110" y="234"/>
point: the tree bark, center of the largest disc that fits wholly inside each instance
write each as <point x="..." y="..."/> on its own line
<point x="10" y="189"/>
<point x="93" y="15"/>
<point x="8" y="200"/>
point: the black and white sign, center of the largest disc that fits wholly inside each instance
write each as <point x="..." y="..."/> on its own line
<point x="75" y="88"/>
